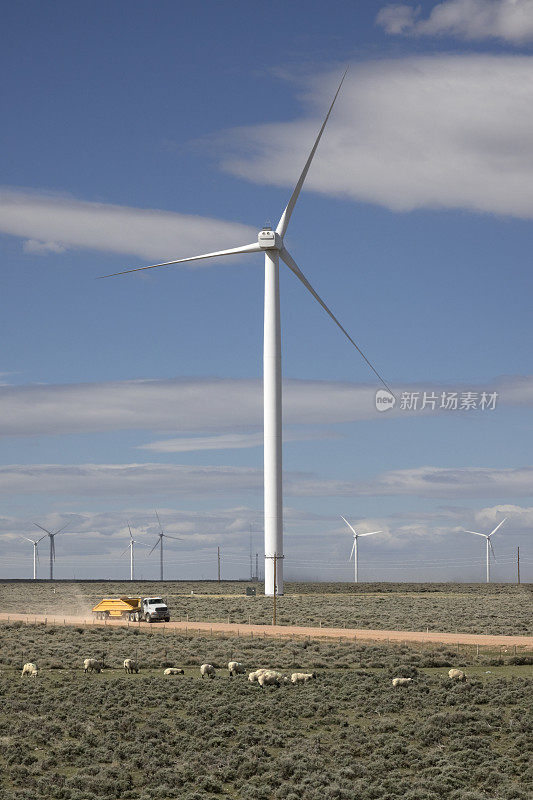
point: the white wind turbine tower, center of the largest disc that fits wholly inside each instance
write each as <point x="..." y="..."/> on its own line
<point x="489" y="544"/>
<point x="160" y="536"/>
<point x="130" y="548"/>
<point x="354" y="547"/>
<point x="35" y="543"/>
<point x="272" y="245"/>
<point x="52" y="537"/>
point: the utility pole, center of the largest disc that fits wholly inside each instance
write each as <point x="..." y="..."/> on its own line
<point x="218" y="559"/>
<point x="257" y="566"/>
<point x="518" y="564"/>
<point x="251" y="559"/>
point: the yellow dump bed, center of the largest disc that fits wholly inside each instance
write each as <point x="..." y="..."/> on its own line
<point x="117" y="606"/>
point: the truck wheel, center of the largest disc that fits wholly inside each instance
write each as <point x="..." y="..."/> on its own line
<point x="147" y="618"/>
<point x="137" y="617"/>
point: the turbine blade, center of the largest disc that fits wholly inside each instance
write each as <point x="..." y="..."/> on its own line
<point x="492" y="548"/>
<point x="476" y="533"/>
<point x="353" y="548"/>
<point x="61" y="529"/>
<point x="292" y="265"/>
<point x="247" y="248"/>
<point x="285" y="217"/>
<point x="129" y="528"/>
<point x="177" y="538"/>
<point x="43" y="529"/>
<point x="30" y="540"/>
<point x="159" y="521"/>
<point x="153" y="548"/>
<point x="370" y="533"/>
<point x="125" y="551"/>
<point x="348" y="524"/>
<point x="498" y="526"/>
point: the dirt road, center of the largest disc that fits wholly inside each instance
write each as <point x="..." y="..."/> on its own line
<point x="286" y="630"/>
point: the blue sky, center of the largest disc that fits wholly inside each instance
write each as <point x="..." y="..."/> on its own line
<point x="138" y="132"/>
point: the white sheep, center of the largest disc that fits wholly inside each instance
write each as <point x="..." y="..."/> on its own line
<point x="457" y="675"/>
<point x="92" y="665"/>
<point x="269" y="677"/>
<point x="207" y="669"/>
<point x="131" y="666"/>
<point x="253" y="676"/>
<point x="235" y="668"/>
<point x="173" y="671"/>
<point x="401" y="681"/>
<point x="29" y="669"/>
<point x="302" y="677"/>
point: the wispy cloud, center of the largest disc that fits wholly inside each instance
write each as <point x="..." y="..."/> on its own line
<point x="188" y="405"/>
<point x="418" y="132"/>
<point x="52" y="223"/>
<point x="509" y="20"/>
<point x="123" y="480"/>
<point x="228" y="441"/>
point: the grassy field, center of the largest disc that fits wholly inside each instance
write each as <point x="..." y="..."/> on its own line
<point x="468" y="608"/>
<point x="348" y="735"/>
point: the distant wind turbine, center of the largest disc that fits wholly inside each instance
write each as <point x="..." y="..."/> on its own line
<point x="35" y="543"/>
<point x="489" y="544"/>
<point x="160" y="536"/>
<point x="52" y="537"/>
<point x="354" y="547"/>
<point x="130" y="548"/>
<point x="271" y="243"/>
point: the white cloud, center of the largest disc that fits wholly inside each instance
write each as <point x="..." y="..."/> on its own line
<point x="227" y="441"/>
<point x="510" y="20"/>
<point x="52" y="224"/>
<point x="418" y="132"/>
<point x="121" y="480"/>
<point x="212" y="405"/>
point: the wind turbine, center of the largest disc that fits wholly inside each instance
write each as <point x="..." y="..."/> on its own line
<point x="270" y="242"/>
<point x="130" y="548"/>
<point x="489" y="544"/>
<point x="52" y="537"/>
<point x="35" y="543"/>
<point x="354" y="548"/>
<point x="160" y="536"/>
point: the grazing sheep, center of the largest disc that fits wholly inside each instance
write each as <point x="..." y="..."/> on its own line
<point x="235" y="668"/>
<point x="269" y="677"/>
<point x="253" y="676"/>
<point x="29" y="669"/>
<point x="131" y="666"/>
<point x="457" y="675"/>
<point x="302" y="677"/>
<point x="401" y="681"/>
<point x="92" y="665"/>
<point x="207" y="669"/>
<point x="173" y="671"/>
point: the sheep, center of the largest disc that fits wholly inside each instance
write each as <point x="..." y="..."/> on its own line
<point x="269" y="677"/>
<point x="92" y="665"/>
<point x="29" y="669"/>
<point x="253" y="676"/>
<point x="173" y="671"/>
<point x="457" y="675"/>
<point x="302" y="677"/>
<point x="131" y="666"/>
<point x="401" y="681"/>
<point x="207" y="669"/>
<point x="235" y="668"/>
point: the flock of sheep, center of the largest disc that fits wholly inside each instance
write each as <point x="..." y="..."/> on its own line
<point x="264" y="677"/>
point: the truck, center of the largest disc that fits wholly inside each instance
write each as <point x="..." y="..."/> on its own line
<point x="133" y="609"/>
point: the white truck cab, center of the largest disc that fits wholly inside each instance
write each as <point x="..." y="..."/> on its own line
<point x="154" y="608"/>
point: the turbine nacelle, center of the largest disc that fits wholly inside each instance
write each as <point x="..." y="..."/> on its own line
<point x="269" y="239"/>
